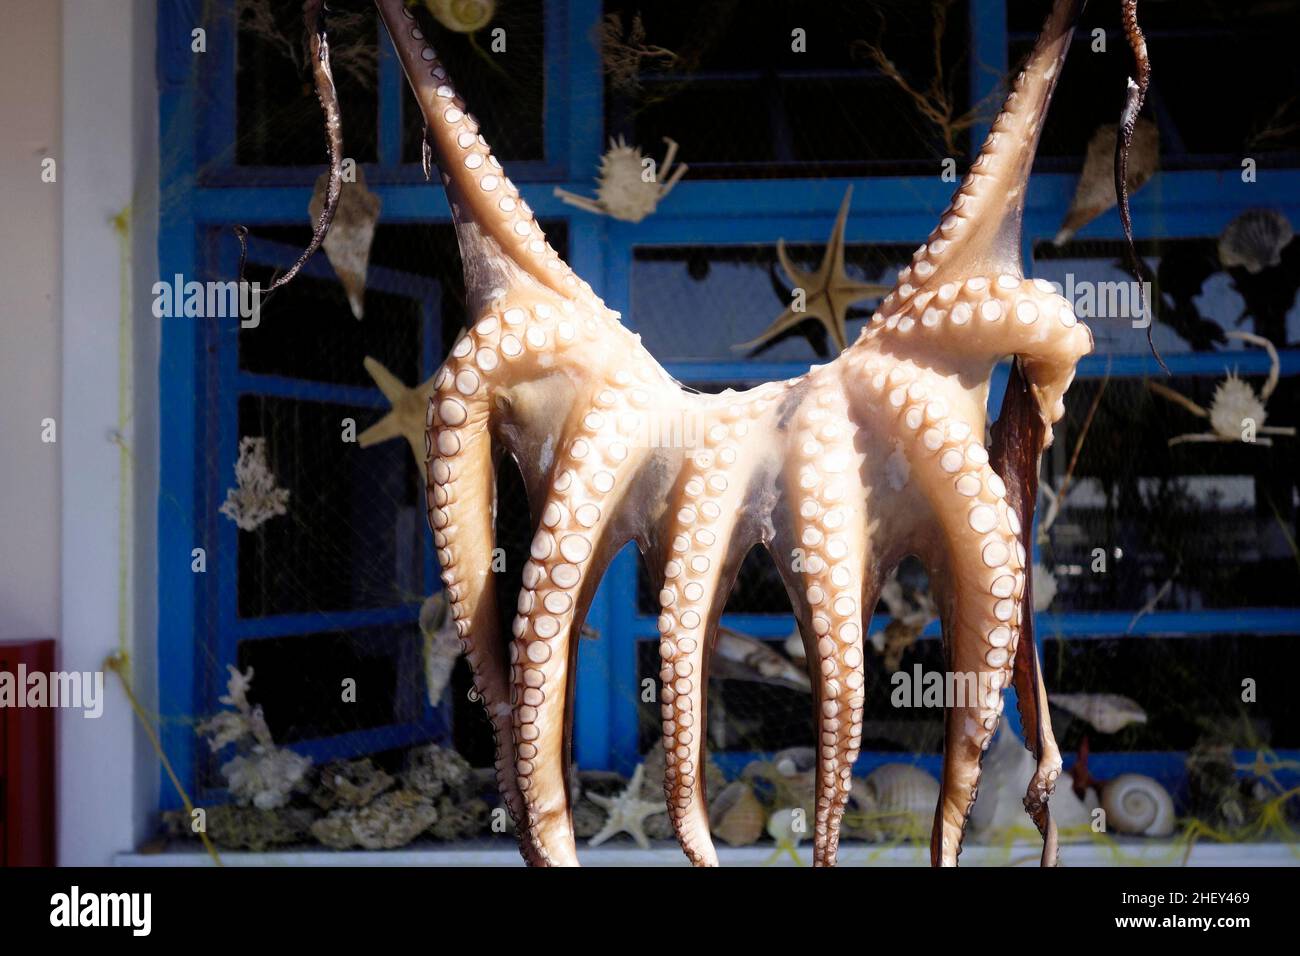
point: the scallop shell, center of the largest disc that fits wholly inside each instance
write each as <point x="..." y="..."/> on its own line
<point x="896" y="800"/>
<point x="736" y="817"/>
<point x="1138" y="804"/>
<point x="1255" y="240"/>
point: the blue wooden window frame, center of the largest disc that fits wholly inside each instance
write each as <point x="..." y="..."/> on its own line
<point x="203" y="192"/>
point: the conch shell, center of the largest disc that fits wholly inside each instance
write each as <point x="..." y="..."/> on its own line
<point x="1106" y="713"/>
<point x="736" y="817"/>
<point x="347" y="244"/>
<point x="1095" y="192"/>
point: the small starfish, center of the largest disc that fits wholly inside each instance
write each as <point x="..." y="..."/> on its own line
<point x="828" y="292"/>
<point x="627" y="812"/>
<point x="409" y="414"/>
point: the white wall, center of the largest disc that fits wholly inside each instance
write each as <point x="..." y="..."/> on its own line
<point x="29" y="320"/>
<point x="108" y="776"/>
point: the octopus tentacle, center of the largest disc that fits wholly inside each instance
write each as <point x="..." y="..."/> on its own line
<point x="461" y="492"/>
<point x="981" y="635"/>
<point x="590" y="479"/>
<point x="707" y="537"/>
<point x="830" y="529"/>
<point x="979" y="232"/>
<point x="477" y="188"/>
<point x="1018" y="440"/>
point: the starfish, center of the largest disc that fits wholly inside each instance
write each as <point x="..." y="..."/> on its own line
<point x="410" y="409"/>
<point x="627" y="812"/>
<point x="828" y="292"/>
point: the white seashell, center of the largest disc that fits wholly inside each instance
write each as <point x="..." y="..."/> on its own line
<point x="1255" y="240"/>
<point x="736" y="817"/>
<point x="999" y="811"/>
<point x="1095" y="192"/>
<point x="629" y="187"/>
<point x="462" y="16"/>
<point x="1044" y="586"/>
<point x="781" y="826"/>
<point x="441" y="647"/>
<point x="1107" y="713"/>
<point x="896" y="800"/>
<point x="1135" y="803"/>
<point x="1234" y="402"/>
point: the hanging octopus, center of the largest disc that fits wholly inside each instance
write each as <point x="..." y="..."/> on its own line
<point x="840" y="473"/>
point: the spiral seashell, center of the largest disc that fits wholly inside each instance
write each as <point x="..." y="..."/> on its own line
<point x="1255" y="240"/>
<point x="1137" y="804"/>
<point x="462" y="16"/>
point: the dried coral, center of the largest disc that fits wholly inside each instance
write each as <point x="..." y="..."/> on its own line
<point x="434" y="771"/>
<point x="267" y="777"/>
<point x="256" y="498"/>
<point x="263" y="774"/>
<point x="351" y="50"/>
<point x="349" y="783"/>
<point x="391" y="821"/>
<point x="937" y="102"/>
<point x="245" y="828"/>
<point x="625" y="53"/>
<point x="459" y="820"/>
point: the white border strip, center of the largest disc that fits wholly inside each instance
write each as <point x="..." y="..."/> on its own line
<point x="107" y="778"/>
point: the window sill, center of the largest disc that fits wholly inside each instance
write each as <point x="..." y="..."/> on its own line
<point x="1134" y="853"/>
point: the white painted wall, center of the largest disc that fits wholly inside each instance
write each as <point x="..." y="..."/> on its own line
<point x="29" y="320"/>
<point x="108" y="775"/>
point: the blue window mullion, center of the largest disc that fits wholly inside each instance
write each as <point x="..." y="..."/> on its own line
<point x="289" y="625"/>
<point x="988" y="61"/>
<point x="392" y="86"/>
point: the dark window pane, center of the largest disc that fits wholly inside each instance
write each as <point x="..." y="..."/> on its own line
<point x="308" y="332"/>
<point x="1198" y="525"/>
<point x="747" y="716"/>
<point x="696" y="303"/>
<point x="278" y="120"/>
<point x="299" y="680"/>
<point x="742" y="102"/>
<point x="355" y="526"/>
<point x="1250" y="93"/>
<point x="1190" y="688"/>
<point x="1196" y="300"/>
<point x="504" y="89"/>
